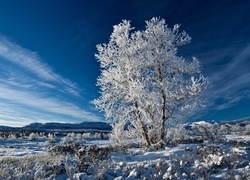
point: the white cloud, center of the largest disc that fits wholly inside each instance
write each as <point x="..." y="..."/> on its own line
<point x="30" y="91"/>
<point x="230" y="82"/>
<point x="39" y="101"/>
<point x="31" y="62"/>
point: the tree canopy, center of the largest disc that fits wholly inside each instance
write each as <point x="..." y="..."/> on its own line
<point x="143" y="83"/>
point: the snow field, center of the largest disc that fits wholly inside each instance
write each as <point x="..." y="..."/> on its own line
<point x="216" y="155"/>
<point x="184" y="161"/>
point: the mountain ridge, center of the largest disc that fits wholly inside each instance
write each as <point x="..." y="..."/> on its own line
<point x="59" y="126"/>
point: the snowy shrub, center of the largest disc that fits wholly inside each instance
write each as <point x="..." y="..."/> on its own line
<point x="86" y="135"/>
<point x="123" y="138"/>
<point x="176" y="135"/>
<point x="64" y="148"/>
<point x="2" y="137"/>
<point x="206" y="130"/>
<point x="232" y="129"/>
<point x="43" y="166"/>
<point x="236" y="128"/>
<point x="72" y="138"/>
<point x="12" y="137"/>
<point x="224" y="128"/>
<point x="96" y="135"/>
<point x="8" y="135"/>
<point x="22" y="136"/>
<point x="82" y="176"/>
<point x="66" y="145"/>
<point x="42" y="135"/>
<point x="72" y="134"/>
<point x="67" y="140"/>
<point x="92" y="153"/>
<point x="80" y="138"/>
<point x="247" y="130"/>
<point x="52" y="138"/>
<point x="37" y="136"/>
<point x="33" y="136"/>
<point x="118" y="138"/>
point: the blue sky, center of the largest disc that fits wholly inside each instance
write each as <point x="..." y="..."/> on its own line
<point x="48" y="70"/>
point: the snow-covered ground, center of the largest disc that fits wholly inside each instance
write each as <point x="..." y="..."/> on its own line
<point x="183" y="161"/>
<point x="218" y="156"/>
<point x="22" y="147"/>
<point x="134" y="155"/>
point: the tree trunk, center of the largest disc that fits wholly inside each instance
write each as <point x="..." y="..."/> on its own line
<point x="143" y="128"/>
<point x="163" y="109"/>
<point x="163" y="103"/>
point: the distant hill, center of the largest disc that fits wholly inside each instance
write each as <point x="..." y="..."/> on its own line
<point x="83" y="125"/>
<point x="4" y="128"/>
<point x="99" y="126"/>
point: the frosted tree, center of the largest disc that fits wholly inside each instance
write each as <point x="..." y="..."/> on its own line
<point x="120" y="81"/>
<point x="143" y="83"/>
<point x="175" y="82"/>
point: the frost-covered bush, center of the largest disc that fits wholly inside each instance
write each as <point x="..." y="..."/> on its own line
<point x="236" y="128"/>
<point x="81" y="176"/>
<point x="67" y="140"/>
<point x="19" y="136"/>
<point x="92" y="153"/>
<point x="100" y="135"/>
<point x="176" y="134"/>
<point x="9" y="136"/>
<point x="68" y="144"/>
<point x="22" y="136"/>
<point x="206" y="130"/>
<point x="86" y="135"/>
<point x="227" y="128"/>
<point x="125" y="137"/>
<point x="52" y="138"/>
<point x="44" y="166"/>
<point x="72" y="134"/>
<point x="33" y="136"/>
<point x="78" y="136"/>
<point x="247" y="130"/>
<point x="224" y="129"/>
<point x="37" y="136"/>
<point x="72" y="138"/>
<point x="12" y="137"/>
<point x="47" y="166"/>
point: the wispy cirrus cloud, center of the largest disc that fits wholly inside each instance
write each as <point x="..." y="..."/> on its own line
<point x="30" y="91"/>
<point x="31" y="62"/>
<point x="230" y="83"/>
<point x="43" y="103"/>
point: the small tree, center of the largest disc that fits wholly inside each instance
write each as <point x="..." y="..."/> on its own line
<point x="143" y="83"/>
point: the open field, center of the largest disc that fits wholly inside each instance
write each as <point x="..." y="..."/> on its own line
<point x="196" y="151"/>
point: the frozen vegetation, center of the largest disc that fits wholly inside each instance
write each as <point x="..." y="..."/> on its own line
<point x="194" y="151"/>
